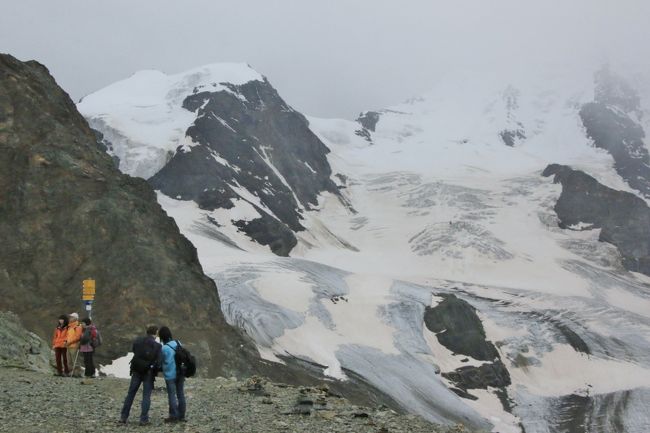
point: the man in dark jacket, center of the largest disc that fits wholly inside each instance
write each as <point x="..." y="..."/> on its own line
<point x="144" y="367"/>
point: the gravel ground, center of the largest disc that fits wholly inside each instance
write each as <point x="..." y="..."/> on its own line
<point x="41" y="403"/>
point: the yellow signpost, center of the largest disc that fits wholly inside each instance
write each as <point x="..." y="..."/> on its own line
<point x="88" y="294"/>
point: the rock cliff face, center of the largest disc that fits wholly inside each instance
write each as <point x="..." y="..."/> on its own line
<point x="612" y="122"/>
<point x="20" y="348"/>
<point x="624" y="219"/>
<point x="67" y="213"/>
<point x="368" y="121"/>
<point x="240" y="143"/>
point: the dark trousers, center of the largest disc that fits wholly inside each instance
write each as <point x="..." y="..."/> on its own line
<point x="176" y="397"/>
<point x="147" y="386"/>
<point x="88" y="364"/>
<point x="61" y="356"/>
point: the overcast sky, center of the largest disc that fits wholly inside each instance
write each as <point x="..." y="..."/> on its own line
<point x="328" y="58"/>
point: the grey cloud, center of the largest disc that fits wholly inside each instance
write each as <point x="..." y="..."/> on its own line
<point x="327" y="58"/>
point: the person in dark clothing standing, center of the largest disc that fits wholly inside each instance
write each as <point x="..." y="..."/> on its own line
<point x="174" y="381"/>
<point x="144" y="367"/>
<point x="88" y="335"/>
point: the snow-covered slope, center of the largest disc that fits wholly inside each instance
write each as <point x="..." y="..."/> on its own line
<point x="143" y="117"/>
<point x="443" y="238"/>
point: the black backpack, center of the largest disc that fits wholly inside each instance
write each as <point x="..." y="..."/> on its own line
<point x="85" y="337"/>
<point x="145" y="355"/>
<point x="185" y="361"/>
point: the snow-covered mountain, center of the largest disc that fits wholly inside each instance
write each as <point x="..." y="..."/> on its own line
<point x="479" y="254"/>
<point x="220" y="136"/>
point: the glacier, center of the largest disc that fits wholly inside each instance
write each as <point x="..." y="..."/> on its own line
<point x="445" y="196"/>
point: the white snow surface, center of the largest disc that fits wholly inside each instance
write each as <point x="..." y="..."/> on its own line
<point x="143" y="117"/>
<point x="443" y="206"/>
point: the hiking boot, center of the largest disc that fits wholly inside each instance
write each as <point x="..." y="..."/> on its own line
<point x="121" y="421"/>
<point x="143" y="423"/>
<point x="170" y="419"/>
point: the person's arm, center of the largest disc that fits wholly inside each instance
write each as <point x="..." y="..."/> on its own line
<point x="54" y="337"/>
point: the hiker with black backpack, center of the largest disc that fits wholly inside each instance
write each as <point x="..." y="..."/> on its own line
<point x="89" y="341"/>
<point x="174" y="376"/>
<point x="145" y="365"/>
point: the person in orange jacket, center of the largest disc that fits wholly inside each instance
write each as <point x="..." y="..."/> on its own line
<point x="72" y="343"/>
<point x="58" y="344"/>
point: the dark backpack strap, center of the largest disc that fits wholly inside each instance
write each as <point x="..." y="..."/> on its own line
<point x="178" y="344"/>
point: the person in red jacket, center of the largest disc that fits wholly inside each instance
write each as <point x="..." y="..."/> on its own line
<point x="58" y="344"/>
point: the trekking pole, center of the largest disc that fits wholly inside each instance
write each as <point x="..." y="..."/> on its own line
<point x="74" y="364"/>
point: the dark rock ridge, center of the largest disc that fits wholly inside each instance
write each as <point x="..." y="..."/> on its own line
<point x="611" y="121"/>
<point x="624" y="219"/>
<point x="459" y="329"/>
<point x="67" y="213"/>
<point x="249" y="138"/>
<point x="368" y="121"/>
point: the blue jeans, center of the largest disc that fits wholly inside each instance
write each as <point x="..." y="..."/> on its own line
<point x="136" y="379"/>
<point x="175" y="389"/>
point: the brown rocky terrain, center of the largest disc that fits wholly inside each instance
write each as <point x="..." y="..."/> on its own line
<point x="35" y="403"/>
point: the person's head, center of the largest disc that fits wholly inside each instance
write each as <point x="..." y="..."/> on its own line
<point x="63" y="320"/>
<point x="165" y="334"/>
<point x="73" y="317"/>
<point x="86" y="321"/>
<point x="152" y="330"/>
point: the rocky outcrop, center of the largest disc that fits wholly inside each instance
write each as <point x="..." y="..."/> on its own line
<point x="67" y="213"/>
<point x="624" y="219"/>
<point x="368" y="121"/>
<point x="511" y="136"/>
<point x="459" y="329"/>
<point x="20" y="348"/>
<point x="611" y="121"/>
